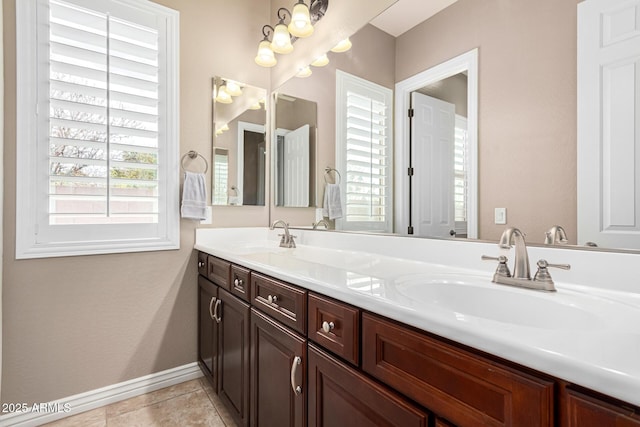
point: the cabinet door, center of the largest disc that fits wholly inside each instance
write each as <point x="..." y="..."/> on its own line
<point x="207" y="329"/>
<point x="586" y="411"/>
<point x="341" y="396"/>
<point x="233" y="356"/>
<point x="278" y="364"/>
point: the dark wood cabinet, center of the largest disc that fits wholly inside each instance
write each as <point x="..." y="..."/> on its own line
<point x="340" y="396"/>
<point x="586" y="411"/>
<point x="278" y="368"/>
<point x="233" y="355"/>
<point x="335" y="326"/>
<point x="462" y="387"/>
<point x="207" y="330"/>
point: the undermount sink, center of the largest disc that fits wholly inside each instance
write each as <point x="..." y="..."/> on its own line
<point x="503" y="304"/>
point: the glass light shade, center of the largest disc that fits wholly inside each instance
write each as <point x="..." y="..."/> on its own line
<point x="255" y="106"/>
<point x="223" y="96"/>
<point x="219" y="132"/>
<point x="343" y="46"/>
<point x="281" y="42"/>
<point x="300" y="25"/>
<point x="265" y="57"/>
<point x="321" y="61"/>
<point x="304" y="72"/>
<point x="225" y="127"/>
<point x="233" y="88"/>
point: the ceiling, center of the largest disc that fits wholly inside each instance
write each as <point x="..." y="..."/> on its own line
<point x="406" y="14"/>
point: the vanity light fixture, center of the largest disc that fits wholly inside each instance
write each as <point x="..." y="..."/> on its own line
<point x="222" y="95"/>
<point x="281" y="41"/>
<point x="300" y="25"/>
<point x="233" y="88"/>
<point x="342" y="46"/>
<point x="265" y="56"/>
<point x="255" y="106"/>
<point x="321" y="61"/>
<point x="304" y="72"/>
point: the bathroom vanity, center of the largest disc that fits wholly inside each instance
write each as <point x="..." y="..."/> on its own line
<point x="328" y="337"/>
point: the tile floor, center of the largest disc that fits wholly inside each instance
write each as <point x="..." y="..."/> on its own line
<point x="192" y="403"/>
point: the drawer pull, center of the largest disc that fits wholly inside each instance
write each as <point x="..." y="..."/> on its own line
<point x="238" y="282"/>
<point x="294" y="368"/>
<point x="328" y="326"/>
<point x="200" y="264"/>
<point x="216" y="315"/>
<point x="272" y="299"/>
<point x="213" y="299"/>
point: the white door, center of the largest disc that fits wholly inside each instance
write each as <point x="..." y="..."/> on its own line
<point x="296" y="167"/>
<point x="433" y="133"/>
<point x="608" y="123"/>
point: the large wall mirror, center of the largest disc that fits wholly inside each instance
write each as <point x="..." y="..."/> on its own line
<point x="239" y="145"/>
<point x="526" y="116"/>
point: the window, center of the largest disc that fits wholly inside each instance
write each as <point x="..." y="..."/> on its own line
<point x="220" y="176"/>
<point x="460" y="168"/>
<point x="97" y="127"/>
<point x="364" y="153"/>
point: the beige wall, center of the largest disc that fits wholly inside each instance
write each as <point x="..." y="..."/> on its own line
<point x="76" y="324"/>
<point x="527" y="109"/>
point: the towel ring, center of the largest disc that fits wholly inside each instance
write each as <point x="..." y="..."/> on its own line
<point x="328" y="170"/>
<point x="192" y="155"/>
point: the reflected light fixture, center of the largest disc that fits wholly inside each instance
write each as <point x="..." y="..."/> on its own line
<point x="300" y="25"/>
<point x="321" y="61"/>
<point x="223" y="96"/>
<point x="255" y="106"/>
<point x="265" y="56"/>
<point x="304" y="72"/>
<point x="281" y="41"/>
<point x="342" y="46"/>
<point x="225" y="127"/>
<point x="233" y="88"/>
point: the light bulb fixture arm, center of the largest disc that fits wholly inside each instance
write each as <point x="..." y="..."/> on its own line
<point x="267" y="31"/>
<point x="282" y="15"/>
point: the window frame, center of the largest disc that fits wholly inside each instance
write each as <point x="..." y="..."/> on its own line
<point x="35" y="238"/>
<point x="344" y="83"/>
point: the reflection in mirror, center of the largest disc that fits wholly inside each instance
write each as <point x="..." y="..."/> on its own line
<point x="294" y="151"/>
<point x="239" y="151"/>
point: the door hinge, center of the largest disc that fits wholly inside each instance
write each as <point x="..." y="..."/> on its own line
<point x="410" y="230"/>
<point x="410" y="113"/>
<point x="410" y="172"/>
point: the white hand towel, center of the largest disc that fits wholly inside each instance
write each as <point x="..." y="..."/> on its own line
<point x="332" y="206"/>
<point x="194" y="196"/>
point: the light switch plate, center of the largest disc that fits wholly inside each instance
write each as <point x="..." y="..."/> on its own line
<point x="500" y="216"/>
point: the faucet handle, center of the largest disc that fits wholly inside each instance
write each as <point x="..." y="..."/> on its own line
<point x="542" y="275"/>
<point x="502" y="269"/>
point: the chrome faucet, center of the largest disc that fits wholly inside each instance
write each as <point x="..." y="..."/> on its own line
<point x="287" y="240"/>
<point x="521" y="270"/>
<point x="521" y="261"/>
<point x="321" y="221"/>
<point x="555" y="236"/>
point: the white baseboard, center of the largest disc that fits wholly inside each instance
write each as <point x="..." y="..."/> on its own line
<point x="100" y="397"/>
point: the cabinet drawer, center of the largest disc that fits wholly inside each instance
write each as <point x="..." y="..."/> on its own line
<point x="462" y="387"/>
<point x="283" y="302"/>
<point x="202" y="263"/>
<point x="218" y="271"/>
<point x="587" y="411"/>
<point x="335" y="326"/>
<point x="240" y="284"/>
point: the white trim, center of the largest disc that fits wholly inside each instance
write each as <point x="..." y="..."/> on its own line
<point x="1" y="175"/>
<point x="465" y="62"/>
<point x="104" y="396"/>
<point x="251" y="127"/>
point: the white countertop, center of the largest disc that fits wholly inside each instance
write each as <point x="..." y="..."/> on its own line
<point x="584" y="334"/>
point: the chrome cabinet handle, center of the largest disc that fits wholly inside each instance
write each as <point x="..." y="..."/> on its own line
<point x="216" y="315"/>
<point x="213" y="299"/>
<point x="200" y="264"/>
<point x="272" y="299"/>
<point x="328" y="326"/>
<point x="294" y="368"/>
<point x="238" y="282"/>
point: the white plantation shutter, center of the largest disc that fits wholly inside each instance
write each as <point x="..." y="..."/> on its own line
<point x="460" y="174"/>
<point x="106" y="127"/>
<point x="364" y="153"/>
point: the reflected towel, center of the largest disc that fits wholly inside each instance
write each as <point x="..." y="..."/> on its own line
<point x="332" y="207"/>
<point x="194" y="196"/>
